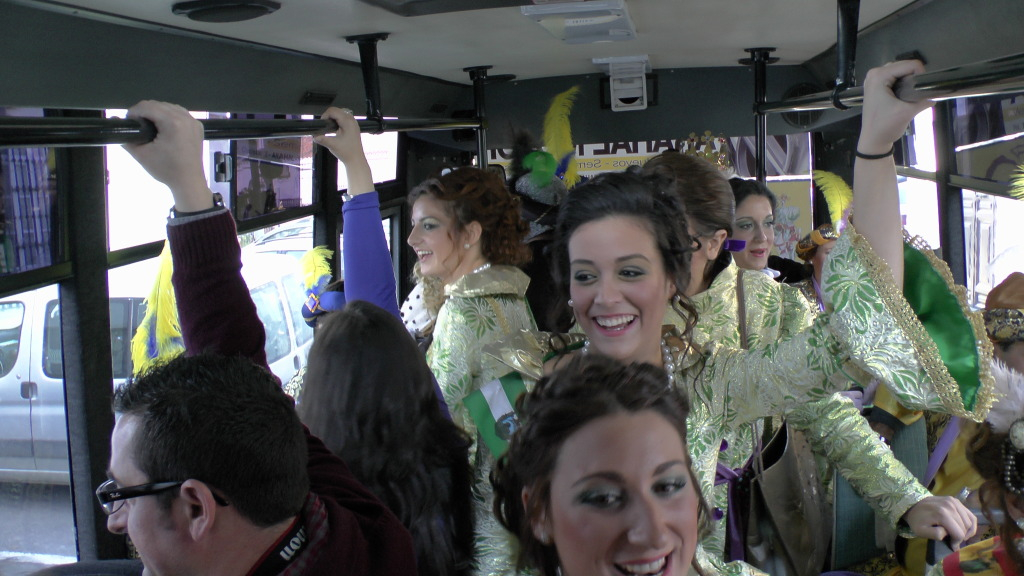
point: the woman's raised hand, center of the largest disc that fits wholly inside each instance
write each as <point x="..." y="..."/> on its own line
<point x="347" y="145"/>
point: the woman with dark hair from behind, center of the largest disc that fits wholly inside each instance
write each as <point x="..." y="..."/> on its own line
<point x="599" y="474"/>
<point x="368" y="395"/>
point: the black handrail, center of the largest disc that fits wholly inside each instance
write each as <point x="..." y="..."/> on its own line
<point x="1000" y="76"/>
<point x="62" y="132"/>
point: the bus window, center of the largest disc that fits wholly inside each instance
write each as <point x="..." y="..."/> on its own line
<point x="919" y="208"/>
<point x="992" y="242"/>
<point x="137" y="205"/>
<point x="28" y="187"/>
<point x="12" y="317"/>
<point x="268" y="303"/>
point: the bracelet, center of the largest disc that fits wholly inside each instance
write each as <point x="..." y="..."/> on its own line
<point x="860" y="154"/>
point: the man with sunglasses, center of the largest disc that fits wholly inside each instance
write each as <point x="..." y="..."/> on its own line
<point x="211" y="471"/>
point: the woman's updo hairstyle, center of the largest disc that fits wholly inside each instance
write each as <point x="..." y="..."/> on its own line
<point x="650" y="199"/>
<point x="588" y="387"/>
<point x="474" y="195"/>
<point x="705" y="193"/>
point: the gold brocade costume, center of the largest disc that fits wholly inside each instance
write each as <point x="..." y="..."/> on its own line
<point x="869" y="331"/>
<point x="835" y="429"/>
<point x="480" y="308"/>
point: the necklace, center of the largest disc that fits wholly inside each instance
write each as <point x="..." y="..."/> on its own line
<point x="482" y="268"/>
<point x="667" y="358"/>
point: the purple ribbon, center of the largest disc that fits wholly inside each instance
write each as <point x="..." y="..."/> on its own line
<point x="942" y="449"/>
<point x="735" y="524"/>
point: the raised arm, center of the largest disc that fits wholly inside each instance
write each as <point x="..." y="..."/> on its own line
<point x="214" y="306"/>
<point x="368" y="271"/>
<point x="884" y="119"/>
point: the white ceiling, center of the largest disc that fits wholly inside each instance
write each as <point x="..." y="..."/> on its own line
<point x="674" y="33"/>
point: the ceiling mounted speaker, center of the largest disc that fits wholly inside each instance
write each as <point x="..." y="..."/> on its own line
<point x="225" y="10"/>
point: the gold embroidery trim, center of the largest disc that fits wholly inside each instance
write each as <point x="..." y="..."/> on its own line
<point x="927" y="352"/>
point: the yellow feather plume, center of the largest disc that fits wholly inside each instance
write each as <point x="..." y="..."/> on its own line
<point x="158" y="337"/>
<point x="558" y="133"/>
<point x="316" y="265"/>
<point x="1017" y="183"/>
<point x="838" y="194"/>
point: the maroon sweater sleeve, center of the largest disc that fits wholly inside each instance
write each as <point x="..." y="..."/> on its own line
<point x="217" y="315"/>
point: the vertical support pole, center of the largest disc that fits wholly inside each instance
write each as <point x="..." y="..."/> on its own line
<point x="760" y="60"/>
<point x="847" y="21"/>
<point x="950" y="198"/>
<point x="371" y="74"/>
<point x="88" y="377"/>
<point x="327" y="218"/>
<point x="478" y="74"/>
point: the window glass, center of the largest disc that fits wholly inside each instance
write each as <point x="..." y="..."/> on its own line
<point x="992" y="242"/>
<point x="919" y="208"/>
<point x="296" y="298"/>
<point x="137" y="205"/>
<point x="989" y="136"/>
<point x="270" y="308"/>
<point x="28" y="187"/>
<point x="37" y="524"/>
<point x="272" y="173"/>
<point x="920" y="150"/>
<point x="293" y="238"/>
<point x="12" y="318"/>
<point x="382" y="154"/>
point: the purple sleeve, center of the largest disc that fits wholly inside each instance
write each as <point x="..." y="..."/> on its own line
<point x="215" y="309"/>
<point x="368" y="271"/>
<point x="369" y="274"/>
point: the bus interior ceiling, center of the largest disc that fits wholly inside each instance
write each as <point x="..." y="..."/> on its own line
<point x="112" y="53"/>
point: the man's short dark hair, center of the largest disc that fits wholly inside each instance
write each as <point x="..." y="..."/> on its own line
<point x="224" y="421"/>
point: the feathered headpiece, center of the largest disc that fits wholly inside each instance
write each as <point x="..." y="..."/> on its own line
<point x="1017" y="183"/>
<point x="1007" y="417"/>
<point x="542" y="176"/>
<point x="316" y="276"/>
<point x="158" y="337"/>
<point x="838" y="196"/>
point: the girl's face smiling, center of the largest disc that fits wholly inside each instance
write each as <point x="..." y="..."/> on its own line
<point x="433" y="237"/>
<point x="754" y="223"/>
<point x="622" y="499"/>
<point x="619" y="288"/>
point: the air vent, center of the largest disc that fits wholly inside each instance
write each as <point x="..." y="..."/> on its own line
<point x="425" y="7"/>
<point x="318" y="98"/>
<point x="802" y="118"/>
<point x="222" y="11"/>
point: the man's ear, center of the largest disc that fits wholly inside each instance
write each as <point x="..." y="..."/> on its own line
<point x="472" y="232"/>
<point x="713" y="246"/>
<point x="200" y="508"/>
<point x="540" y="525"/>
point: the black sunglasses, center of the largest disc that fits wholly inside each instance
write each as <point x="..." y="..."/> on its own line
<point x="111" y="496"/>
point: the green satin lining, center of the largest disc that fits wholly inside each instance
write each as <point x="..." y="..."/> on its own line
<point x="939" y="311"/>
